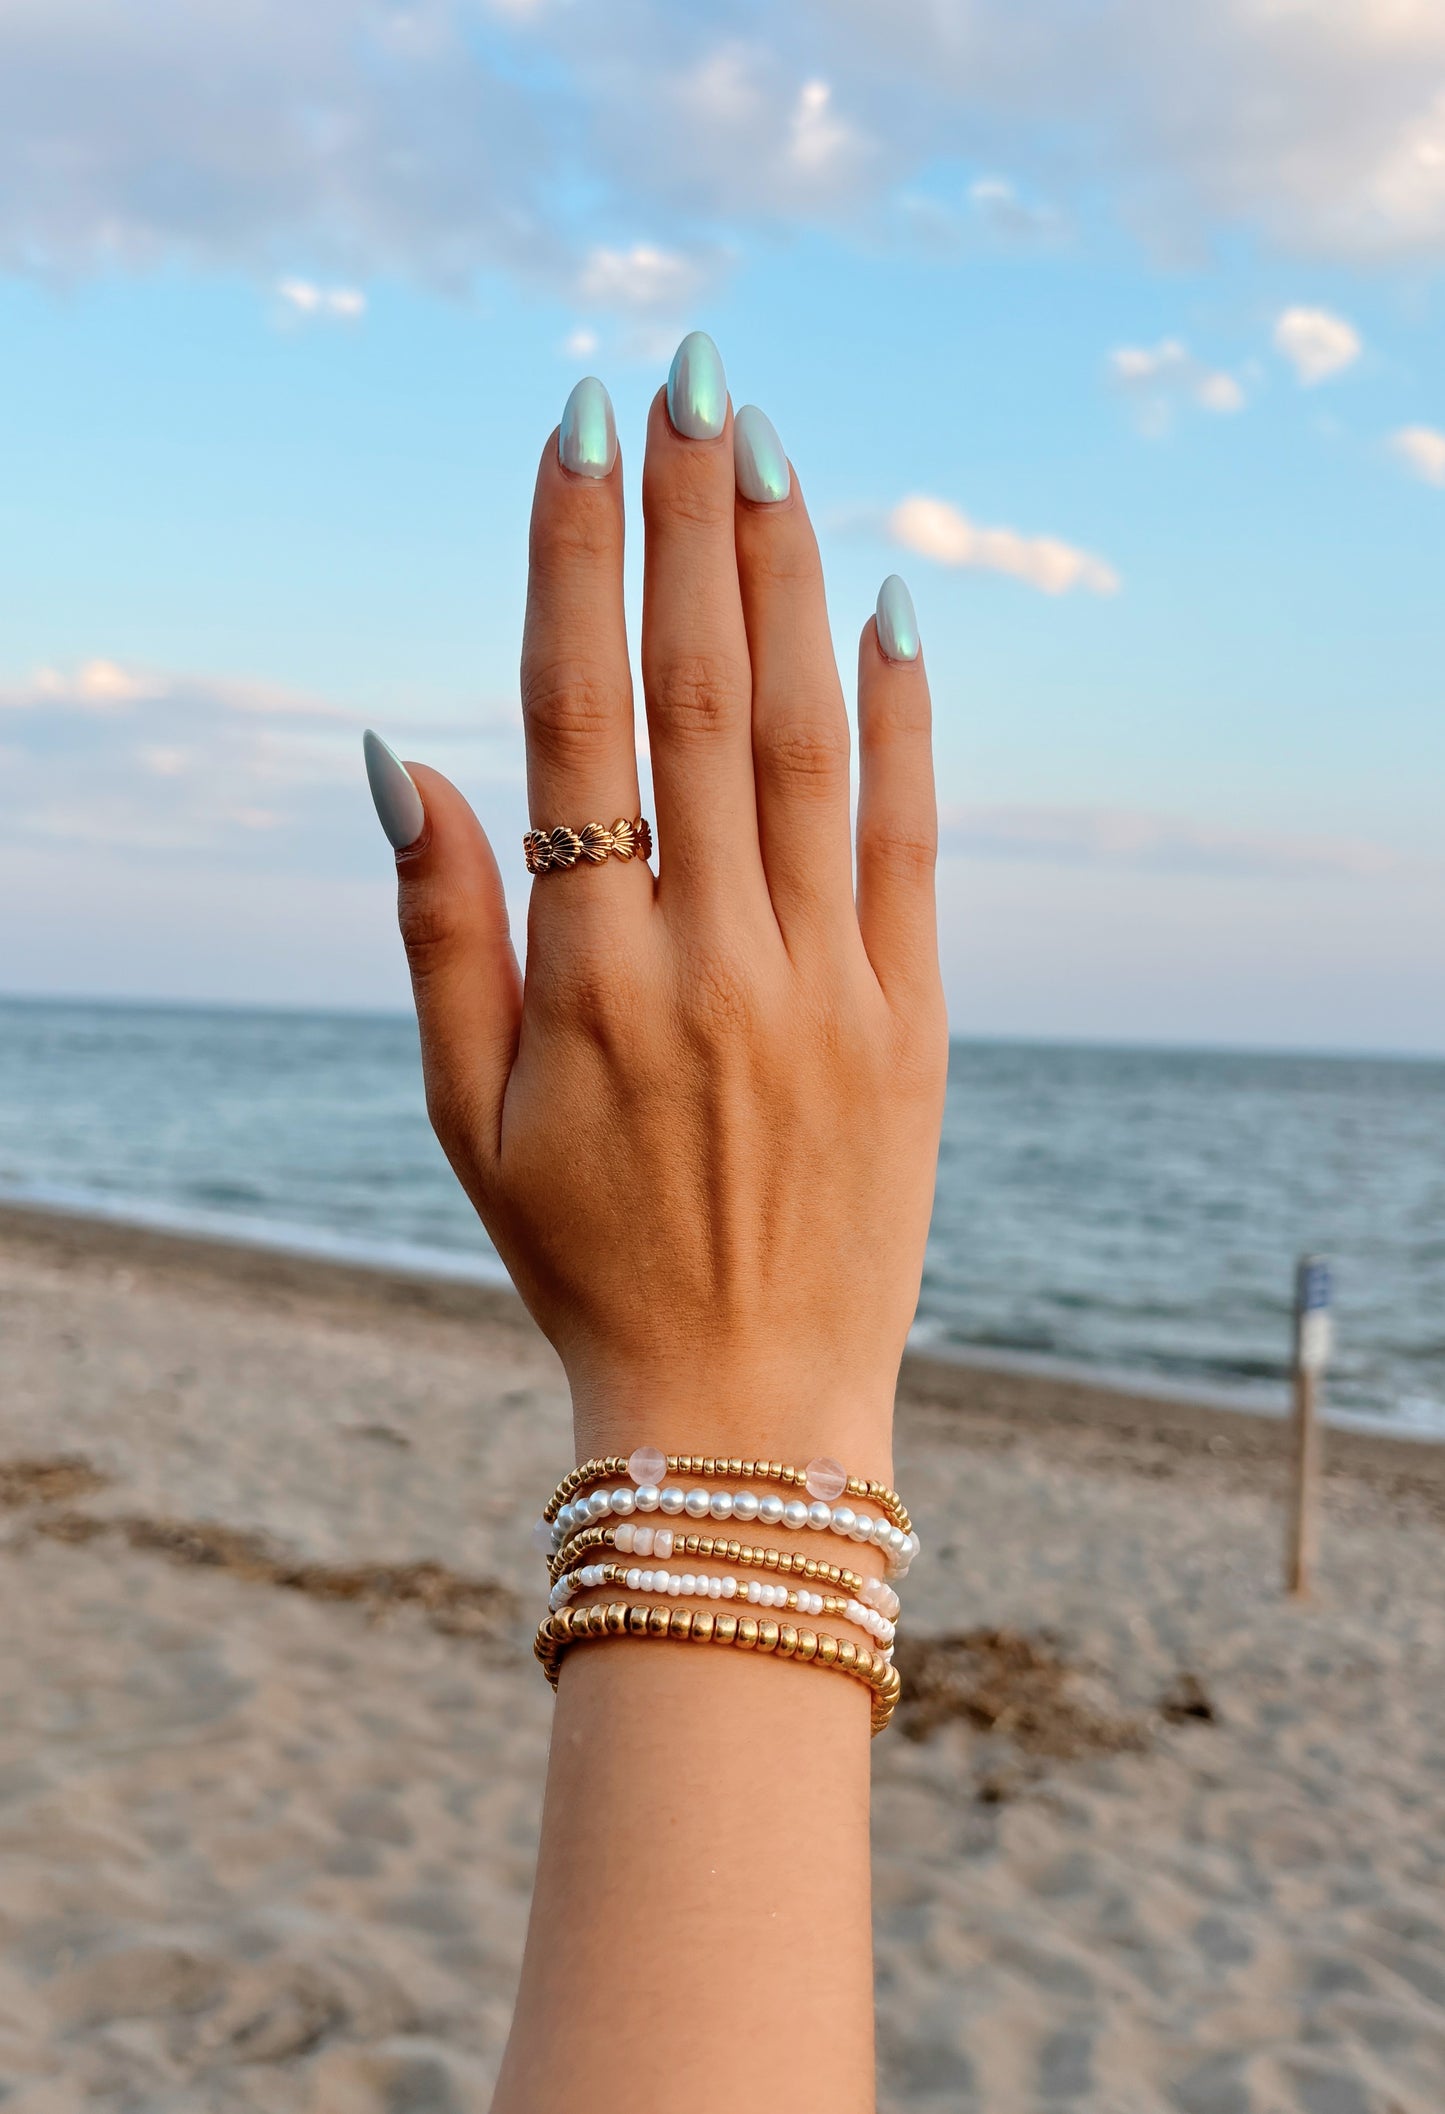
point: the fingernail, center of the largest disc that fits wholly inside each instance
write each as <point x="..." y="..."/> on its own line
<point x="761" y="466"/>
<point x="398" y="803"/>
<point x="897" y="624"/>
<point x="587" y="438"/>
<point x="697" y="388"/>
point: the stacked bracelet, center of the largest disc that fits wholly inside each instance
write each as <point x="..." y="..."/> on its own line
<point x="690" y="1585"/>
<point x="570" y="1529"/>
<point x="559" y="1632"/>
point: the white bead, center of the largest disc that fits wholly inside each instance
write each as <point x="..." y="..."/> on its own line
<point x="624" y="1539"/>
<point x="600" y="1503"/>
<point x="623" y="1502"/>
<point x="720" y="1505"/>
<point x="714" y="1589"/>
<point x="646" y="1498"/>
<point x="745" y="1505"/>
<point x="755" y="1591"/>
<point x="914" y="1544"/>
<point x="729" y="1589"/>
<point x="820" y="1516"/>
<point x="563" y="1521"/>
<point x="795" y="1513"/>
<point x="881" y="1532"/>
<point x="845" y="1519"/>
<point x="897" y="1540"/>
<point x="634" y="1581"/>
<point x="662" y="1542"/>
<point x="771" y="1510"/>
<point x="862" y="1529"/>
<point x="674" y="1585"/>
<point x="696" y="1503"/>
<point x="671" y="1500"/>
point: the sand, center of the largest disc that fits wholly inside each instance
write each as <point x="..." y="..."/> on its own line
<point x="271" y="1743"/>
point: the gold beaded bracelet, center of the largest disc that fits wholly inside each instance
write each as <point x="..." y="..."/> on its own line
<point x="610" y="1467"/>
<point x="621" y="1618"/>
<point x="740" y="1552"/>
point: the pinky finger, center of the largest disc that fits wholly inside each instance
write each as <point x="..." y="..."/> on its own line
<point x="897" y="807"/>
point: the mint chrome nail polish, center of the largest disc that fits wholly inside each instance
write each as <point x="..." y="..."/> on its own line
<point x="897" y="624"/>
<point x="758" y="458"/>
<point x="587" y="437"/>
<point x="697" y="388"/>
<point x="398" y="803"/>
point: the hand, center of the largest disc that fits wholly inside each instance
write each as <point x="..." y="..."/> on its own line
<point x="702" y="1132"/>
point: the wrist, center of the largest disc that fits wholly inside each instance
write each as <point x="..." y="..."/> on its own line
<point x="761" y="1407"/>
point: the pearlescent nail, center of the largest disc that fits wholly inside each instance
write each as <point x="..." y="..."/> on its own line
<point x="587" y="437"/>
<point x="697" y="388"/>
<point x="398" y="803"/>
<point x="758" y="458"/>
<point x="897" y="624"/>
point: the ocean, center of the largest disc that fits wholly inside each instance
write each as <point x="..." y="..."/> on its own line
<point x="1132" y="1214"/>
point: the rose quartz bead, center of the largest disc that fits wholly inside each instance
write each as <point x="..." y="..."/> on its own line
<point x="825" y="1478"/>
<point x="647" y="1465"/>
<point x="542" y="1536"/>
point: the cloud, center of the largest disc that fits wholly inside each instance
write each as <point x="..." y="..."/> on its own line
<point x="1137" y="841"/>
<point x="581" y="343"/>
<point x="1157" y="378"/>
<point x="937" y="530"/>
<point x="1422" y="450"/>
<point x="1316" y="343"/>
<point x="145" y="761"/>
<point x="641" y="278"/>
<point x="445" y="140"/>
<point x="997" y="204"/>
<point x="303" y="297"/>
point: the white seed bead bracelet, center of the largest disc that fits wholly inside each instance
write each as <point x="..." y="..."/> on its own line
<point x="697" y="1585"/>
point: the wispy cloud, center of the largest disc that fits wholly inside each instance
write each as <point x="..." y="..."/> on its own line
<point x="1004" y="213"/>
<point x="303" y="298"/>
<point x="1136" y="840"/>
<point x="936" y="529"/>
<point x="1158" y="378"/>
<point x="1316" y="343"/>
<point x="1422" y="450"/>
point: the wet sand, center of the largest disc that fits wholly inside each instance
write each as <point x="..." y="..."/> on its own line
<point x="271" y="1741"/>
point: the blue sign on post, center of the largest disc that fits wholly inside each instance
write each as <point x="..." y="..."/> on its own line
<point x="1313" y="1322"/>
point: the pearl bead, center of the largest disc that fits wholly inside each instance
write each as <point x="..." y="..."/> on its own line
<point x="671" y="1500"/>
<point x="564" y="1520"/>
<point x="647" y="1497"/>
<point x="600" y="1503"/>
<point x="825" y="1477"/>
<point x="745" y="1505"/>
<point x="862" y="1528"/>
<point x="623" y="1502"/>
<point x="881" y="1532"/>
<point x="696" y="1504"/>
<point x="914" y="1544"/>
<point x="647" y="1464"/>
<point x="820" y="1516"/>
<point x="634" y="1580"/>
<point x="845" y="1519"/>
<point x="897" y="1540"/>
<point x="720" y="1505"/>
<point x="795" y="1513"/>
<point x="770" y="1510"/>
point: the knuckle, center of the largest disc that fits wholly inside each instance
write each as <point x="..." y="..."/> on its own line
<point x="901" y="852"/>
<point x="570" y="710"/>
<point x="689" y="490"/>
<point x="698" y="692"/>
<point x="580" y="533"/>
<point x="903" y="712"/>
<point x="599" y="998"/>
<point x="805" y="756"/>
<point x="433" y="921"/>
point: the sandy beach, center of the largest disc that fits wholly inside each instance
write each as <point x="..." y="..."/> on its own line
<point x="1148" y="1839"/>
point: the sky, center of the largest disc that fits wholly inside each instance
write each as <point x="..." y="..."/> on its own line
<point x="1118" y="329"/>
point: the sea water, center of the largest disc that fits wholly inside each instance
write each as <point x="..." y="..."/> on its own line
<point x="1127" y="1212"/>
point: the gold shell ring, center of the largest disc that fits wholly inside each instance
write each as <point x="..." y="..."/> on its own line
<point x="555" y="850"/>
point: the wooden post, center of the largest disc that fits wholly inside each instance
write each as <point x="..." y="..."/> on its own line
<point x="1311" y="1353"/>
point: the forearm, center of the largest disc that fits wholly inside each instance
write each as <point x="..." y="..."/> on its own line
<point x="700" y="1932"/>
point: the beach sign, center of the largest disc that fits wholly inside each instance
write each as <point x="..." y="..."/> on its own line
<point x="1313" y="1314"/>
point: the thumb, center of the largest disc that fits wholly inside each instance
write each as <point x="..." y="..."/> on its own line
<point x="464" y="974"/>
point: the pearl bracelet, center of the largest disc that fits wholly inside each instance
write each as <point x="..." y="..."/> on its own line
<point x="899" y="1546"/>
<point x="823" y="1478"/>
<point x="689" y="1585"/>
<point x="559" y="1632"/>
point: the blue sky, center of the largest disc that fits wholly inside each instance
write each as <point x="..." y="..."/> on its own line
<point x="1120" y="333"/>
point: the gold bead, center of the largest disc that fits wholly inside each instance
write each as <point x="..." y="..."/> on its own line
<point x="787" y="1640"/>
<point x="657" y="1621"/>
<point x="747" y="1633"/>
<point x="680" y="1622"/>
<point x="767" y="1636"/>
<point x="703" y="1624"/>
<point x="637" y="1619"/>
<point x="827" y="1651"/>
<point x="725" y="1629"/>
<point x="807" y="1644"/>
<point x="617" y="1618"/>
